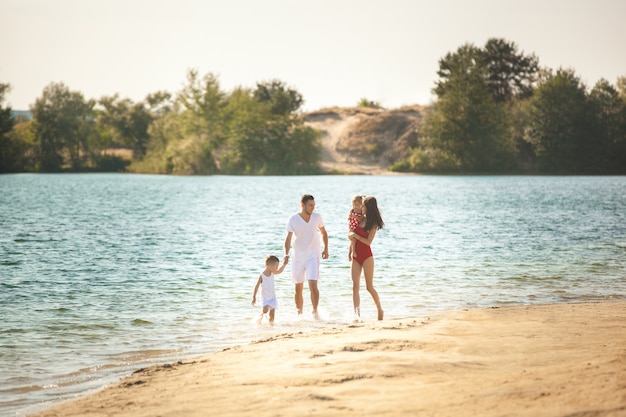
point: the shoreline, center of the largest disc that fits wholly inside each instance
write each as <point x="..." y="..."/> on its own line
<point x="530" y="360"/>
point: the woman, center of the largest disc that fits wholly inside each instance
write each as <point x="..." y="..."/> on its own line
<point x="363" y="236"/>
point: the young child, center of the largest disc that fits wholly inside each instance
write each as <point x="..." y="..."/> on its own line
<point x="266" y="282"/>
<point x="354" y="218"/>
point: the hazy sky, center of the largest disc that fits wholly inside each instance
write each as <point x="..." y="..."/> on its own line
<point x="333" y="52"/>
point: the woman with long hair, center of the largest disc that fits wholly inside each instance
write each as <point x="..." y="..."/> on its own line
<point x="363" y="236"/>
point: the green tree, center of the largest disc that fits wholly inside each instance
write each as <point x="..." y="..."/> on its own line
<point x="364" y="102"/>
<point x="186" y="134"/>
<point x="467" y="129"/>
<point x="127" y="123"/>
<point x="245" y="150"/>
<point x="208" y="131"/>
<point x="63" y="123"/>
<point x="18" y="156"/>
<point x="559" y="124"/>
<point x="202" y="103"/>
<point x="262" y="141"/>
<point x="165" y="134"/>
<point x="303" y="150"/>
<point x="510" y="74"/>
<point x="161" y="154"/>
<point x="507" y="73"/>
<point x="453" y="66"/>
<point x="281" y="99"/>
<point x="16" y="144"/>
<point x="621" y="87"/>
<point x="609" y="113"/>
<point x="160" y="103"/>
<point x="8" y="148"/>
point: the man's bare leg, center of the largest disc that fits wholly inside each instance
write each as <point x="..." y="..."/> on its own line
<point x="315" y="296"/>
<point x="298" y="297"/>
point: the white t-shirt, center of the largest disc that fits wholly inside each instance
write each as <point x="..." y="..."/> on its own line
<point x="306" y="238"/>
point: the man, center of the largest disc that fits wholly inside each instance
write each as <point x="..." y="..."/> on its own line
<point x="303" y="228"/>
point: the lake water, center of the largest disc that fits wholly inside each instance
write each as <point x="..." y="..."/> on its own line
<point x="101" y="274"/>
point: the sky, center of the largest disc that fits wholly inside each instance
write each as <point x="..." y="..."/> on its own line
<point x="333" y="52"/>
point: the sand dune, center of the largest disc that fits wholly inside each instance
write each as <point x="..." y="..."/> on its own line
<point x="547" y="360"/>
<point x="348" y="133"/>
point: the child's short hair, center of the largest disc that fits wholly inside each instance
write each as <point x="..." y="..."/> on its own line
<point x="271" y="259"/>
<point x="358" y="197"/>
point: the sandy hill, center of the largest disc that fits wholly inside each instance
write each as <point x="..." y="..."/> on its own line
<point x="364" y="140"/>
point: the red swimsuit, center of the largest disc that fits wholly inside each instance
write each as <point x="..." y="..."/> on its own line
<point x="363" y="251"/>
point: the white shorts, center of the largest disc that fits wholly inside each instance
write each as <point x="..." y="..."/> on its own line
<point x="271" y="303"/>
<point x="305" y="270"/>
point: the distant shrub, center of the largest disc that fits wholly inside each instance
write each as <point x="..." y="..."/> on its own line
<point x="369" y="104"/>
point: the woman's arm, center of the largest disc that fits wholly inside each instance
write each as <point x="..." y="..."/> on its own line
<point x="366" y="240"/>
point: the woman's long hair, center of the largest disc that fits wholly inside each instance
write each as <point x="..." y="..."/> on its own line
<point x="373" y="217"/>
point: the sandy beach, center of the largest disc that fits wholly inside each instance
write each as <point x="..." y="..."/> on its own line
<point x="541" y="360"/>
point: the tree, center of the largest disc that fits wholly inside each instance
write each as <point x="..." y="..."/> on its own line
<point x="246" y="147"/>
<point x="208" y="131"/>
<point x="127" y="123"/>
<point x="6" y="122"/>
<point x="559" y="120"/>
<point x="63" y="122"/>
<point x="456" y="65"/>
<point x="159" y="103"/>
<point x="262" y="141"/>
<point x="282" y="100"/>
<point x="510" y="74"/>
<point x="203" y="102"/>
<point x="609" y="118"/>
<point x="467" y="130"/>
<point x="621" y="87"/>
<point x="8" y="148"/>
<point x="364" y="102"/>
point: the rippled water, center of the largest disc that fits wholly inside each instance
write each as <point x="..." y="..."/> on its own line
<point x="101" y="274"/>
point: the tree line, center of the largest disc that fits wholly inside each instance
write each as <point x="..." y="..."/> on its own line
<point x="200" y="130"/>
<point x="497" y="111"/>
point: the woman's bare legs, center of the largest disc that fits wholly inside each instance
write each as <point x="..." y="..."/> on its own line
<point x="368" y="271"/>
<point x="355" y="271"/>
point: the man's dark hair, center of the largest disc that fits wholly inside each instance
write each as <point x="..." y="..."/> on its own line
<point x="305" y="198"/>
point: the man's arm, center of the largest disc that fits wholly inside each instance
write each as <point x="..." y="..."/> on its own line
<point x="325" y="240"/>
<point x="288" y="243"/>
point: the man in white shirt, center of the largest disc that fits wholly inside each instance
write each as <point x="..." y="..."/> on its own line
<point x="303" y="228"/>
